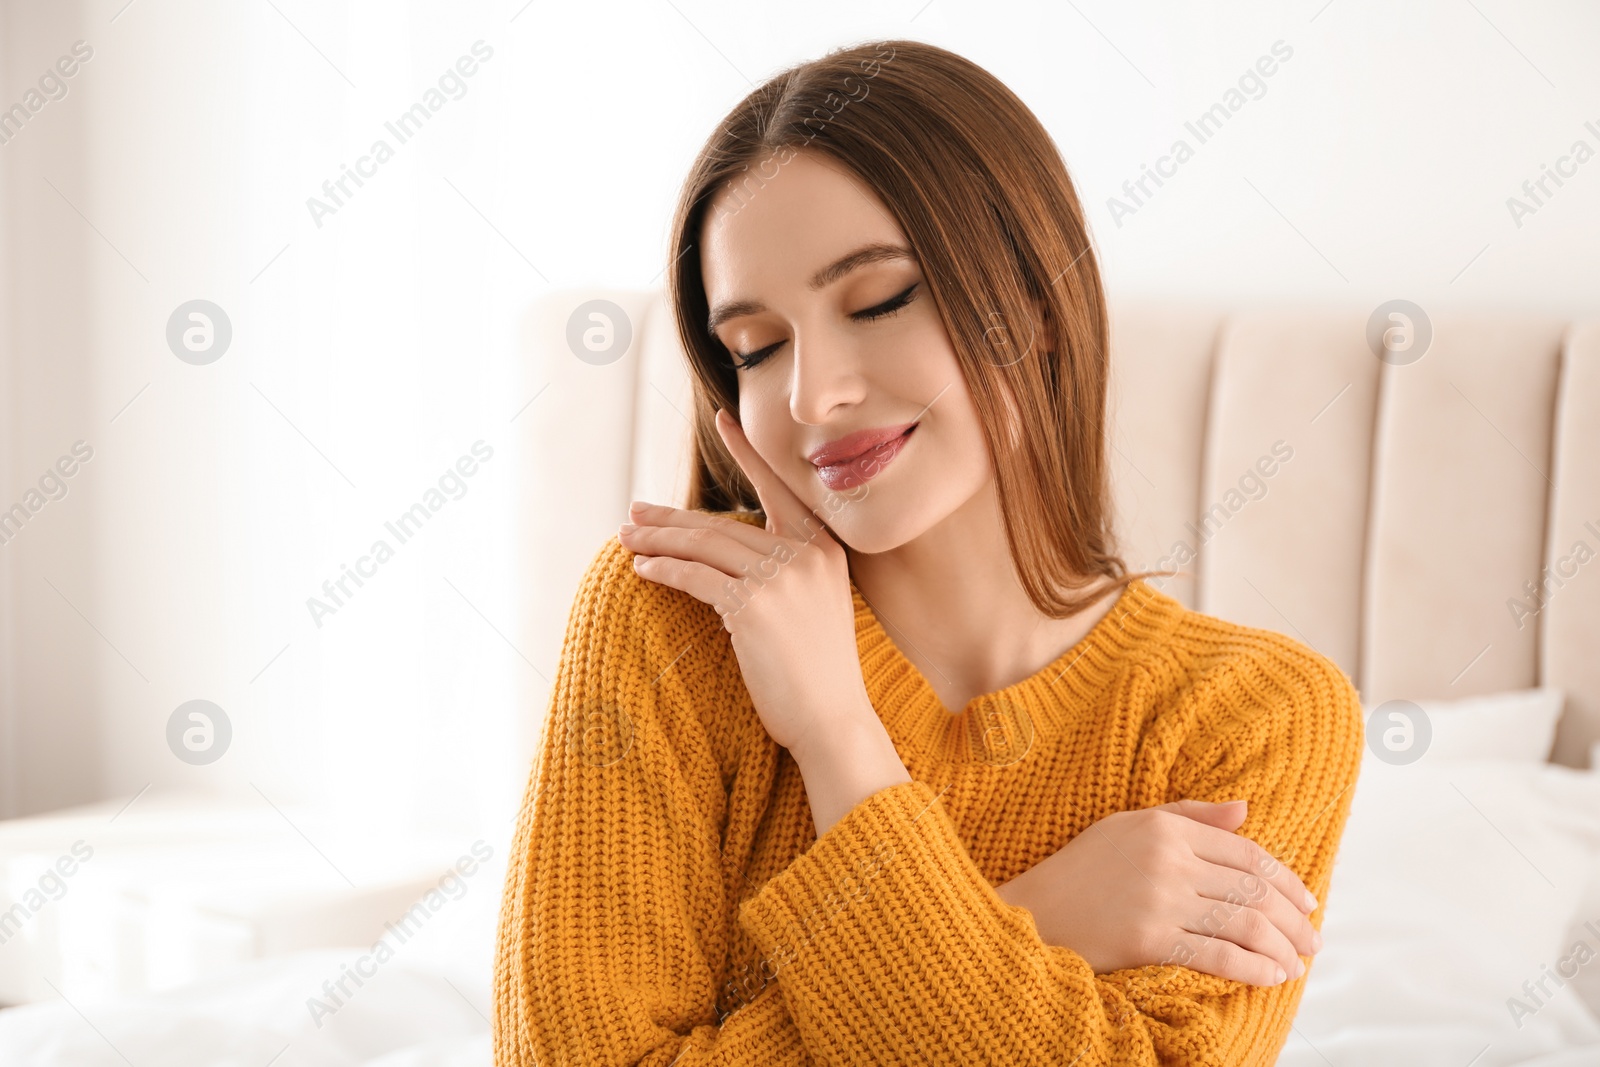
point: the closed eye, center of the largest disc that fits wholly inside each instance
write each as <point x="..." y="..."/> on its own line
<point x="888" y="307"/>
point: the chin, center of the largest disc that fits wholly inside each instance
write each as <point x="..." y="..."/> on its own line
<point x="874" y="522"/>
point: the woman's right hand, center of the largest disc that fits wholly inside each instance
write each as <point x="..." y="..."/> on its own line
<point x="1172" y="884"/>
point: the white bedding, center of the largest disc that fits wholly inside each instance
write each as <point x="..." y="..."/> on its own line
<point x="403" y="1016"/>
<point x="1455" y="883"/>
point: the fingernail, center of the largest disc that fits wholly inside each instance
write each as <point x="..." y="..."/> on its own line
<point x="1311" y="902"/>
<point x="1316" y="941"/>
<point x="1299" y="968"/>
<point x="1281" y="976"/>
<point x="627" y="528"/>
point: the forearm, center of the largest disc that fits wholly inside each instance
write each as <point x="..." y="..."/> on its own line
<point x="885" y="936"/>
<point x="847" y="765"/>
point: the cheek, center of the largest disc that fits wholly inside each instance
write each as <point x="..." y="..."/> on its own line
<point x="926" y="357"/>
<point x="967" y="427"/>
<point x="763" y="399"/>
<point x="960" y="426"/>
<point x="764" y="417"/>
<point x="771" y="432"/>
<point x="933" y="373"/>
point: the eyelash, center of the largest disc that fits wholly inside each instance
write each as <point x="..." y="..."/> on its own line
<point x="888" y="307"/>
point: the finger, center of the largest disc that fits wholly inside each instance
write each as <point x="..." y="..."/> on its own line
<point x="1225" y="959"/>
<point x="786" y="513"/>
<point x="1273" y="927"/>
<point x="704" y="543"/>
<point x="705" y="583"/>
<point x="646" y="514"/>
<point x="1227" y="816"/>
<point x="1239" y="851"/>
<point x="1249" y="930"/>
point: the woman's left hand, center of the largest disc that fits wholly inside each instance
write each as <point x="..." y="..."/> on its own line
<point x="783" y="593"/>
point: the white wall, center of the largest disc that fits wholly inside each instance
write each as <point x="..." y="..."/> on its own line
<point x="372" y="351"/>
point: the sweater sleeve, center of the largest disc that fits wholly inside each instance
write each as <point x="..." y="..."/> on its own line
<point x="890" y="946"/>
<point x="616" y="916"/>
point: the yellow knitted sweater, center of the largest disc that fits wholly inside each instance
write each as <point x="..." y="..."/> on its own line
<point x="668" y="900"/>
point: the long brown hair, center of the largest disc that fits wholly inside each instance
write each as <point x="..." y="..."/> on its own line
<point x="983" y="196"/>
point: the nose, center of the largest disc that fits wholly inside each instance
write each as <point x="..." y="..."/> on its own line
<point x="826" y="374"/>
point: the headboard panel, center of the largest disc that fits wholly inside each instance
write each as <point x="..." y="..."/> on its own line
<point x="1157" y="401"/>
<point x="1417" y="501"/>
<point x="1569" y="625"/>
<point x="1461" y="496"/>
<point x="1292" y="410"/>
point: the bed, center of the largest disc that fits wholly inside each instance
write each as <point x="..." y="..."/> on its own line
<point x="1415" y="495"/>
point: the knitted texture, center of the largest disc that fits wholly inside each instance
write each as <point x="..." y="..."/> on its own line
<point x="668" y="900"/>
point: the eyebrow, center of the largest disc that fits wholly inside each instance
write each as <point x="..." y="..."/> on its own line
<point x="876" y="252"/>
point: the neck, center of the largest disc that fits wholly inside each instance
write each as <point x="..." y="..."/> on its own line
<point x="952" y="603"/>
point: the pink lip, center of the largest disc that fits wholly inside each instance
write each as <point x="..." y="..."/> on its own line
<point x="855" y="463"/>
<point x="852" y="445"/>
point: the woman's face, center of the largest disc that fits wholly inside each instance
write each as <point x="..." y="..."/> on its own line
<point x="819" y="368"/>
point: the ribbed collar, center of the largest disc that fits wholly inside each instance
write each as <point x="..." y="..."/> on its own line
<point x="1000" y="727"/>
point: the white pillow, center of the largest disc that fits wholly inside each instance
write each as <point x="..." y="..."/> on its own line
<point x="1516" y="725"/>
<point x="1454" y="883"/>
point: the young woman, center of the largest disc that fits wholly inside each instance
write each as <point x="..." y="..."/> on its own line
<point x="875" y="753"/>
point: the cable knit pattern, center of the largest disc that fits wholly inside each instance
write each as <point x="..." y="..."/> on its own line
<point x="668" y="900"/>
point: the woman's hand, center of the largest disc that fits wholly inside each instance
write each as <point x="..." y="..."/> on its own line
<point x="783" y="593"/>
<point x="1172" y="884"/>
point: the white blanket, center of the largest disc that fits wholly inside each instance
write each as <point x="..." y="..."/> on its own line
<point x="1455" y="885"/>
<point x="270" y="1012"/>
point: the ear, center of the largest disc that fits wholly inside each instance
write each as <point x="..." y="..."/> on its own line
<point x="1044" y="339"/>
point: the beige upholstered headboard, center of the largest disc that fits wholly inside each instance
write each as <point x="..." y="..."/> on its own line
<point x="1430" y="524"/>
